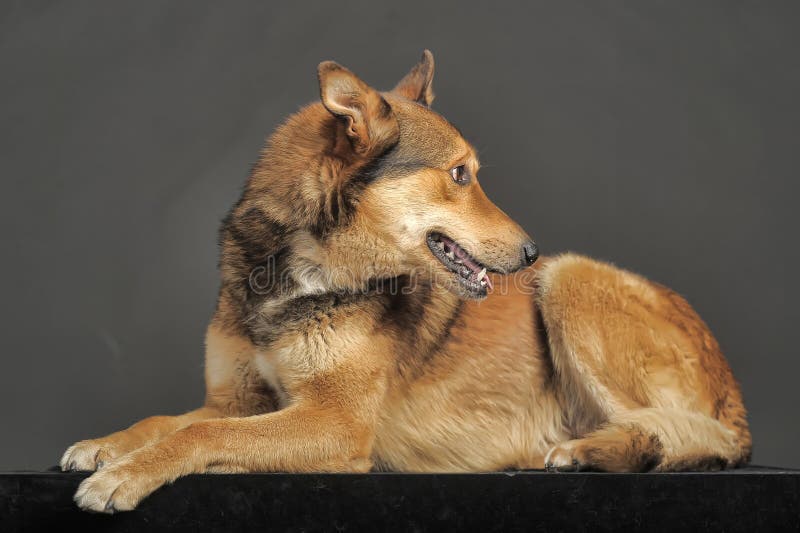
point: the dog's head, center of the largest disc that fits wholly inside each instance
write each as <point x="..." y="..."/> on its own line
<point x="376" y="184"/>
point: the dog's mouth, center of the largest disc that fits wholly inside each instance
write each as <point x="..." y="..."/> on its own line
<point x="469" y="271"/>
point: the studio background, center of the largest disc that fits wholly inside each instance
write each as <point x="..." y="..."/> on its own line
<point x="662" y="136"/>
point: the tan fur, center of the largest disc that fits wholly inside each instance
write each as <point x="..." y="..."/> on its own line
<point x="569" y="364"/>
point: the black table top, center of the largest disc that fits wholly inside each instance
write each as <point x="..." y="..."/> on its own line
<point x="748" y="499"/>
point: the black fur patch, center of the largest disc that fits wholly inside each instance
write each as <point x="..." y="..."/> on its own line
<point x="374" y="168"/>
<point x="540" y="330"/>
<point x="298" y="314"/>
<point x="408" y="315"/>
<point x="253" y="259"/>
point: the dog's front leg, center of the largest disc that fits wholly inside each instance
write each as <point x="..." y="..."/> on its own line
<point x="328" y="428"/>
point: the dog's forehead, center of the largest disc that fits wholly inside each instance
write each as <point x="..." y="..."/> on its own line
<point x="426" y="136"/>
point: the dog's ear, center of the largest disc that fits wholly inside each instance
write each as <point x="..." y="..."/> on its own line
<point x="417" y="85"/>
<point x="368" y="119"/>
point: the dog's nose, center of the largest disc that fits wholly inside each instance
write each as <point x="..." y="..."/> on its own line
<point x="530" y="251"/>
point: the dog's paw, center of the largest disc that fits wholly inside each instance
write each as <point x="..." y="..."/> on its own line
<point x="89" y="455"/>
<point x="569" y="456"/>
<point x="118" y="487"/>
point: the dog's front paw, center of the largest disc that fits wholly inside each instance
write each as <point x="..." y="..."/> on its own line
<point x="88" y="455"/>
<point x="118" y="487"/>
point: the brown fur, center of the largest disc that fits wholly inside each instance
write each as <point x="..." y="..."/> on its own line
<point x="341" y="343"/>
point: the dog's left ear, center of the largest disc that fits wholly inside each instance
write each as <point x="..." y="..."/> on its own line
<point x="417" y="85"/>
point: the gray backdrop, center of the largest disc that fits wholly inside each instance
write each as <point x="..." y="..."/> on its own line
<point x="660" y="135"/>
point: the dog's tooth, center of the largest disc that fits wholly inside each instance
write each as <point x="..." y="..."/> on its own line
<point x="451" y="255"/>
<point x="483" y="283"/>
<point x="481" y="275"/>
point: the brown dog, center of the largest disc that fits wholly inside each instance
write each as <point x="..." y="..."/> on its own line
<point x="352" y="332"/>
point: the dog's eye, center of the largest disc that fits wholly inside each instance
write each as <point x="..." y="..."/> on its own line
<point x="459" y="175"/>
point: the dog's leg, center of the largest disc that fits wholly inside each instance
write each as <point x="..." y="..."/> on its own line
<point x="328" y="426"/>
<point x="93" y="454"/>
<point x="300" y="438"/>
<point x="232" y="389"/>
<point x="646" y="439"/>
<point x="640" y="378"/>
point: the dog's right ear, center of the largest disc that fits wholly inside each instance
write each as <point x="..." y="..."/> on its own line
<point x="368" y="119"/>
<point x="417" y="85"/>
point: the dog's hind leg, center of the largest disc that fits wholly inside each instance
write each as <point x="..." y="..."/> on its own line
<point x="639" y="377"/>
<point x="650" y="439"/>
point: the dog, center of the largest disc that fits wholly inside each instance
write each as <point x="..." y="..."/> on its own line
<point x="378" y="311"/>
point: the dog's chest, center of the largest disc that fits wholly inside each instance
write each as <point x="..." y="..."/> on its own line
<point x="264" y="363"/>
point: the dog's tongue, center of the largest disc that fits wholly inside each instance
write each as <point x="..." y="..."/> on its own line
<point x="466" y="260"/>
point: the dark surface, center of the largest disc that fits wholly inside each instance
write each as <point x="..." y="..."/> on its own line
<point x="753" y="499"/>
<point x="663" y="136"/>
